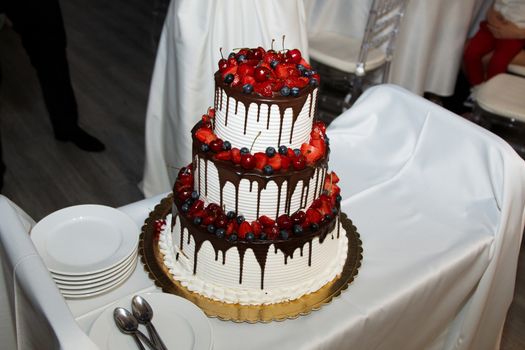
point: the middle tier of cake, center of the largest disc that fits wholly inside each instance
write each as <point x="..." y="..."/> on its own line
<point x="254" y="194"/>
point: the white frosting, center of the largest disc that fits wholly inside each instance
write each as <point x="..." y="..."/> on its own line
<point x="247" y="196"/>
<point x="282" y="282"/>
<point x="242" y="131"/>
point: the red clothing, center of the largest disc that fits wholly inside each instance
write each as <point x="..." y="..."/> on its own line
<point x="483" y="43"/>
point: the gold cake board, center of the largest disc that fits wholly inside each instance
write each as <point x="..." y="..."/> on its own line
<point x="152" y="259"/>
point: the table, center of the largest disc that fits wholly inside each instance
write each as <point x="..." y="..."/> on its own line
<point x="182" y="85"/>
<point x="430" y="42"/>
<point x="439" y="203"/>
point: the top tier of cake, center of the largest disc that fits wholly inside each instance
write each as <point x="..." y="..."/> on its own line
<point x="266" y="121"/>
<point x="265" y="98"/>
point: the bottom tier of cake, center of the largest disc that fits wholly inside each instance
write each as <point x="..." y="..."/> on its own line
<point x="253" y="273"/>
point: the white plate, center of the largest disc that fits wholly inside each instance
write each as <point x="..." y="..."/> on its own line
<point x="85" y="239"/>
<point x="108" y="280"/>
<point x="87" y="293"/>
<point x="83" y="279"/>
<point x="180" y="323"/>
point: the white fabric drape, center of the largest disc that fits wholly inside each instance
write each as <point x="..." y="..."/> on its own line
<point x="182" y="86"/>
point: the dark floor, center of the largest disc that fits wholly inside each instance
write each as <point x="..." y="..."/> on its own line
<point x="111" y="51"/>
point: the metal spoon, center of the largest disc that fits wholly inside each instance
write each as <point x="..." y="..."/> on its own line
<point x="128" y="324"/>
<point x="144" y="313"/>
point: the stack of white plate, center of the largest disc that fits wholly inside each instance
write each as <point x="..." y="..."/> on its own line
<point x="89" y="249"/>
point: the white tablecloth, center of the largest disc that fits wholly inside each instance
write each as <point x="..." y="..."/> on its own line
<point x="182" y="86"/>
<point x="430" y="42"/>
<point x="439" y="204"/>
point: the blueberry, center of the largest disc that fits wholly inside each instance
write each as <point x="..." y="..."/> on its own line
<point x="268" y="170"/>
<point x="250" y="236"/>
<point x="285" y="91"/>
<point x="301" y="67"/>
<point x="325" y="192"/>
<point x="211" y="228"/>
<point x="197" y="220"/>
<point x="195" y="195"/>
<point x="241" y="58"/>
<point x="327" y="217"/>
<point x="244" y="150"/>
<point x="189" y="201"/>
<point x="307" y="73"/>
<point x="205" y="147"/>
<point x="240" y="219"/>
<point x="270" y="151"/>
<point x="334" y="211"/>
<point x="263" y="236"/>
<point x="297" y="152"/>
<point x="231" y="214"/>
<point x="294" y="91"/>
<point x="338" y="198"/>
<point x="284" y="234"/>
<point x="231" y="55"/>
<point x="314" y="227"/>
<point x="247" y="88"/>
<point x="274" y="63"/>
<point x="283" y="150"/>
<point x="233" y="237"/>
<point x="313" y="82"/>
<point x="297" y="230"/>
<point x="220" y="232"/>
<point x="185" y="207"/>
<point x="228" y="78"/>
<point x="227" y="145"/>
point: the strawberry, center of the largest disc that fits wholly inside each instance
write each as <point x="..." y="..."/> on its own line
<point x="261" y="159"/>
<point x="334" y="177"/>
<point x="314" y="216"/>
<point x="304" y="63"/>
<point x="290" y="152"/>
<point x="224" y="155"/>
<point x="277" y="84"/>
<point x="245" y="69"/>
<point x="264" y="88"/>
<point x="198" y="205"/>
<point x="266" y="221"/>
<point x="216" y="145"/>
<point x="256" y="228"/>
<point x="236" y="80"/>
<point x="236" y="155"/>
<point x="311" y="153"/>
<point x="244" y="229"/>
<point x="247" y="79"/>
<point x="211" y="112"/>
<point x="272" y="232"/>
<point x="231" y="227"/>
<point x="275" y="162"/>
<point x="299" y="162"/>
<point x="285" y="162"/>
<point x="208" y="219"/>
<point x="232" y="69"/>
<point x="320" y="144"/>
<point x="298" y="217"/>
<point x="281" y="71"/>
<point x="205" y="135"/>
<point x="320" y="126"/>
<point x="284" y="222"/>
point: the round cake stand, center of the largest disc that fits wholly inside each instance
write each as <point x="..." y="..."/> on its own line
<point x="152" y="259"/>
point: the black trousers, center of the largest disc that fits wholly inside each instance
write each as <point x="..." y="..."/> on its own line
<point x="41" y="28"/>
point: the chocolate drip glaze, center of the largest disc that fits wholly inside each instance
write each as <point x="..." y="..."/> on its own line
<point x="259" y="248"/>
<point x="283" y="103"/>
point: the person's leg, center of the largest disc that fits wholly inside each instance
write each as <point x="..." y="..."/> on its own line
<point x="504" y="51"/>
<point x="41" y="28"/>
<point x="481" y="44"/>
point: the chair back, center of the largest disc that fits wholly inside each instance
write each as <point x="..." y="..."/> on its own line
<point x="381" y="31"/>
<point x="34" y="314"/>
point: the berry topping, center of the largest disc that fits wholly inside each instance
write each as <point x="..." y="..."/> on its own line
<point x="283" y="150"/>
<point x="229" y="78"/>
<point x="268" y="170"/>
<point x="247" y="88"/>
<point x="260" y="160"/>
<point x="205" y="135"/>
<point x="244" y="150"/>
<point x="226" y="145"/>
<point x="285" y="91"/>
<point x="284" y="221"/>
<point x="283" y="234"/>
<point x="266" y="221"/>
<point x="220" y="232"/>
<point x="248" y="161"/>
<point x="294" y="91"/>
<point x="216" y="145"/>
<point x="270" y="151"/>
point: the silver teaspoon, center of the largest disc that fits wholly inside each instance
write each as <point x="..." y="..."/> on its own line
<point x="128" y="324"/>
<point x="143" y="312"/>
